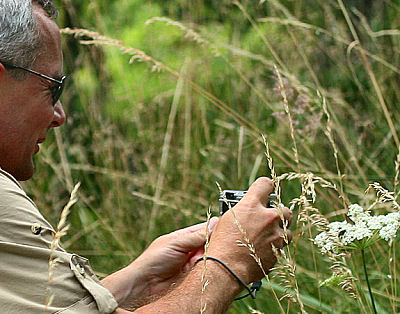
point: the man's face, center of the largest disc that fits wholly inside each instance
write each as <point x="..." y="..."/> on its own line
<point x="26" y="107"/>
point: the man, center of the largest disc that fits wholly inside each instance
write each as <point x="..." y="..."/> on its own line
<point x="164" y="279"/>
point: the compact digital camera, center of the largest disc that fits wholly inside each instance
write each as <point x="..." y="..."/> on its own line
<point x="229" y="198"/>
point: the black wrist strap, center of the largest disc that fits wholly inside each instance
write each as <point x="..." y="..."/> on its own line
<point x="251" y="290"/>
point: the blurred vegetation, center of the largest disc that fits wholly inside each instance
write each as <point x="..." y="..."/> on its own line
<point x="148" y="144"/>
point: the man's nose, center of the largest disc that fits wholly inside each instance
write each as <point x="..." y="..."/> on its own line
<point x="59" y="115"/>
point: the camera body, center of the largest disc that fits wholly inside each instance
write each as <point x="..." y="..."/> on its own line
<point x="229" y="198"/>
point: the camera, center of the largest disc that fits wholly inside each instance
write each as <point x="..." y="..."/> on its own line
<point x="229" y="198"/>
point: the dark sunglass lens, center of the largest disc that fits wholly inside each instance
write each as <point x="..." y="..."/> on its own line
<point x="56" y="94"/>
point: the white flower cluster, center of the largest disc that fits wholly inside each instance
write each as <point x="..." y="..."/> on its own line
<point x="366" y="230"/>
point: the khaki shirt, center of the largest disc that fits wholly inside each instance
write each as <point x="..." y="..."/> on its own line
<point x="25" y="239"/>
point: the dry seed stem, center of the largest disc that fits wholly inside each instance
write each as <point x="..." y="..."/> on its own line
<point x="62" y="229"/>
<point x="287" y="110"/>
<point x="204" y="282"/>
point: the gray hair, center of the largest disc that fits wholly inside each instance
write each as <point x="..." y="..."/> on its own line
<point x="19" y="35"/>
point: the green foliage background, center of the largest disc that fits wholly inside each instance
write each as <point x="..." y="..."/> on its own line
<point x="148" y="146"/>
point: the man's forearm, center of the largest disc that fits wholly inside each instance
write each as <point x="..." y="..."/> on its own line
<point x="220" y="291"/>
<point x="128" y="286"/>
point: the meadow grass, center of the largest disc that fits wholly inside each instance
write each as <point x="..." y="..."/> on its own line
<point x="306" y="93"/>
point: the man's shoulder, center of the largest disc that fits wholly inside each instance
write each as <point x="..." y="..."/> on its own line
<point x="19" y="216"/>
<point x="8" y="181"/>
<point x="11" y="192"/>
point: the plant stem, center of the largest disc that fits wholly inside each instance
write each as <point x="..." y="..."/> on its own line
<point x="366" y="278"/>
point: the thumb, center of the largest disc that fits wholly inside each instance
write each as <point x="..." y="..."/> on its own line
<point x="191" y="239"/>
<point x="260" y="190"/>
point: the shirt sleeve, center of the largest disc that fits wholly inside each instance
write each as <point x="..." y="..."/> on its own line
<point x="27" y="283"/>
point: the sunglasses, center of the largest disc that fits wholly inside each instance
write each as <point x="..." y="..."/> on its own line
<point x="56" y="91"/>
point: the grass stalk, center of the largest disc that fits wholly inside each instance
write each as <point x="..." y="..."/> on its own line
<point x="371" y="74"/>
<point x="367" y="280"/>
<point x="165" y="152"/>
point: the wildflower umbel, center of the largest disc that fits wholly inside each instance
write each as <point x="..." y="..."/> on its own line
<point x="363" y="232"/>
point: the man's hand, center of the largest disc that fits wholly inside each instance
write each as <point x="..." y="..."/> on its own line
<point x="263" y="227"/>
<point x="172" y="255"/>
<point x="161" y="266"/>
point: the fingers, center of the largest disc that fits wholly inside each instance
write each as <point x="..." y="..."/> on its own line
<point x="260" y="190"/>
<point x="285" y="216"/>
<point x="286" y="237"/>
<point x="195" y="256"/>
<point x="192" y="238"/>
<point x="284" y="221"/>
<point x="289" y="236"/>
<point x="197" y="227"/>
<point x="282" y="239"/>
